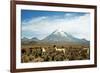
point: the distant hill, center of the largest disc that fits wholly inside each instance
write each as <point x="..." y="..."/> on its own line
<point x="29" y="41"/>
<point x="34" y="39"/>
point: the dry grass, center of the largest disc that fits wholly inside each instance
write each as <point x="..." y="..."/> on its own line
<point x="34" y="53"/>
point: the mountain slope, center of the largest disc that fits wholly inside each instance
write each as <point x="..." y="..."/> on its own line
<point x="63" y="37"/>
<point x="33" y="40"/>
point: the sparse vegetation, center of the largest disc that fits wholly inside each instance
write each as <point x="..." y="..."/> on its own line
<point x="36" y="54"/>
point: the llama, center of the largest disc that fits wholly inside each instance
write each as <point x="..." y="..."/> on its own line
<point x="43" y="50"/>
<point x="87" y="49"/>
<point x="58" y="49"/>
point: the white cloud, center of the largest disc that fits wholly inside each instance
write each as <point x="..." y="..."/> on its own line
<point x="78" y="27"/>
<point x="68" y="14"/>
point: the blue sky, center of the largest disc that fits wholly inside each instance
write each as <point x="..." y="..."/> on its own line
<point x="41" y="23"/>
<point x="29" y="14"/>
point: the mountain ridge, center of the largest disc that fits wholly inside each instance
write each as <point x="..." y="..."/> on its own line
<point x="59" y="36"/>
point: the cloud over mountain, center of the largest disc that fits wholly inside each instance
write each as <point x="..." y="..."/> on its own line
<point x="76" y="24"/>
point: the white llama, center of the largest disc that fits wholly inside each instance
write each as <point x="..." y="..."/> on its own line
<point x="58" y="49"/>
<point x="43" y="49"/>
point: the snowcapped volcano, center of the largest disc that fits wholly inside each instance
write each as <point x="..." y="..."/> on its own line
<point x="60" y="33"/>
<point x="60" y="36"/>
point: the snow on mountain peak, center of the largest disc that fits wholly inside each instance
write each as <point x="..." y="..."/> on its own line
<point x="60" y="33"/>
